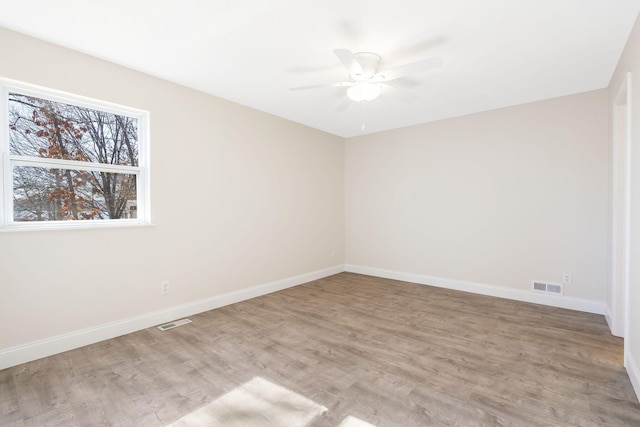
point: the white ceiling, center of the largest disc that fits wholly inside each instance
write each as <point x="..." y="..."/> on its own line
<point x="496" y="53"/>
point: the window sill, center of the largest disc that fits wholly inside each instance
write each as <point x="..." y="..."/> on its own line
<point x="75" y="226"/>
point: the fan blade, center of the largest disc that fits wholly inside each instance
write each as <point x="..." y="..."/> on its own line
<point x="404" y="83"/>
<point x="408" y="69"/>
<point x="339" y="84"/>
<point x="349" y="61"/>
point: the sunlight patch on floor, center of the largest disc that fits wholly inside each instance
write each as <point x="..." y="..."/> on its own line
<point x="354" y="422"/>
<point x="257" y="403"/>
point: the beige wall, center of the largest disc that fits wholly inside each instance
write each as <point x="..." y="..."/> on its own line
<point x="497" y="198"/>
<point x="630" y="62"/>
<point x="239" y="198"/>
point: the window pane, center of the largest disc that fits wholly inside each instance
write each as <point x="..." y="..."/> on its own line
<point x="43" y="128"/>
<point x="45" y="194"/>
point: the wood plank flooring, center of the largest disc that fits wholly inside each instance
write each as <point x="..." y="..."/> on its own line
<point x="386" y="352"/>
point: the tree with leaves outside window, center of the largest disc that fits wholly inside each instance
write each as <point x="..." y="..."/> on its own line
<point x="41" y="128"/>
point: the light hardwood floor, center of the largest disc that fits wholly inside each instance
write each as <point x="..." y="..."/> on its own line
<point x="386" y="352"/>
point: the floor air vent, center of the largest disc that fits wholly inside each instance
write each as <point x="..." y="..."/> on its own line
<point x="547" y="288"/>
<point x="175" y="324"/>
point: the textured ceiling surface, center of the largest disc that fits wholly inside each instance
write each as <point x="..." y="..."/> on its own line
<point x="495" y="53"/>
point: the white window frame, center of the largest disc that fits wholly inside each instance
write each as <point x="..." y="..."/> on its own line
<point x="7" y="223"/>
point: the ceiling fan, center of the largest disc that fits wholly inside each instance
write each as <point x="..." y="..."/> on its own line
<point x="365" y="81"/>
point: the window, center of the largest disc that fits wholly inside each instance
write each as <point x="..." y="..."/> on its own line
<point x="69" y="161"/>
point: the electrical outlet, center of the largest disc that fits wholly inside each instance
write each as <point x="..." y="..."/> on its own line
<point x="566" y="278"/>
<point x="164" y="288"/>
<point x="332" y="254"/>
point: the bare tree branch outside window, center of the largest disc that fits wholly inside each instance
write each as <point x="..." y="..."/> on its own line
<point x="41" y="128"/>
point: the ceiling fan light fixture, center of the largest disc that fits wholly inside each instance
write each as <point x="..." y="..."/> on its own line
<point x="364" y="91"/>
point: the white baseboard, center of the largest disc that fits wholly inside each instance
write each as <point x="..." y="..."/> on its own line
<point x="633" y="372"/>
<point x="58" y="344"/>
<point x="614" y="327"/>
<point x="609" y="319"/>
<point x="483" y="289"/>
